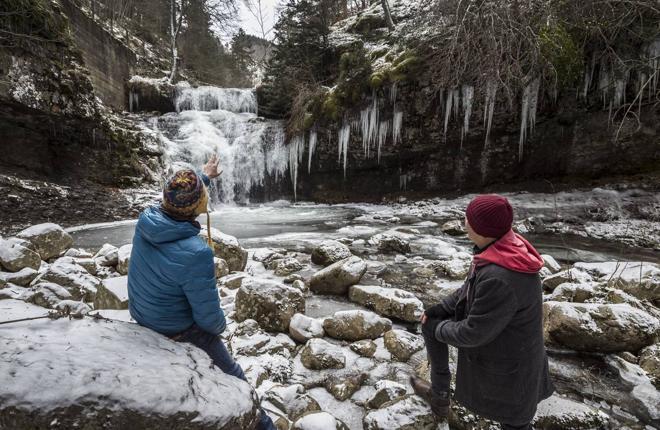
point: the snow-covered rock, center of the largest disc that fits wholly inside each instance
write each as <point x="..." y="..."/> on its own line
<point x="292" y="400"/>
<point x="572" y="275"/>
<point x="390" y="243"/>
<point x="123" y="258"/>
<point x="407" y="413"/>
<point x="598" y="327"/>
<point x="386" y="391"/>
<point x="558" y="412"/>
<point x="402" y="344"/>
<point x="88" y="264"/>
<point x="284" y="266"/>
<point x="14" y="257"/>
<point x="49" y="240"/>
<point x="366" y="347"/>
<point x="453" y="228"/>
<point x="356" y="325"/>
<point x="550" y="263"/>
<point x="319" y="421"/>
<point x="267" y="254"/>
<point x="319" y="354"/>
<point x="338" y="277"/>
<point x="649" y="360"/>
<point x="342" y="387"/>
<point x="21" y="278"/>
<point x="250" y="340"/>
<point x="391" y="302"/>
<point x="112" y="294"/>
<point x="107" y="256"/>
<point x="73" y="308"/>
<point x="78" y="253"/>
<point x="233" y="281"/>
<point x="303" y="328"/>
<point x="456" y="266"/>
<point x="330" y="252"/>
<point x="73" y="277"/>
<point x="572" y="292"/>
<point x="640" y="279"/>
<point x="221" y="267"/>
<point x="228" y="248"/>
<point x="270" y="303"/>
<point x="13" y="309"/>
<point x="115" y="373"/>
<point x="47" y="294"/>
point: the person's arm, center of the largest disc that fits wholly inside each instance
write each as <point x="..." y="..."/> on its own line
<point x="446" y="308"/>
<point x="202" y="293"/>
<point x="493" y="308"/>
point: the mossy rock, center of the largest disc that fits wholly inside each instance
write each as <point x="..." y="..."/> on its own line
<point x="367" y="22"/>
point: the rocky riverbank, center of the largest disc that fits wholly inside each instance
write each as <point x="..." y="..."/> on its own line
<point x="324" y="324"/>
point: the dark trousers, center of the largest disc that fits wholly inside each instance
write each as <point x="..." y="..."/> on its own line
<point x="216" y="349"/>
<point x="438" y="355"/>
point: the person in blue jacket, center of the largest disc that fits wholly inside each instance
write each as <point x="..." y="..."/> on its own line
<point x="171" y="276"/>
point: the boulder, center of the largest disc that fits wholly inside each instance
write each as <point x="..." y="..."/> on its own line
<point x="391" y="302"/>
<point x="639" y="279"/>
<point x="110" y="380"/>
<point x="319" y="354"/>
<point x="74" y="278"/>
<point x="300" y="285"/>
<point x="386" y="391"/>
<point x="270" y="303"/>
<point x="14" y="257"/>
<point x="292" y="399"/>
<point x="366" y="347"/>
<point x="407" y="413"/>
<point x="390" y="243"/>
<point x="284" y="266"/>
<point x="330" y="252"/>
<point x="356" y="325"/>
<point x="107" y="256"/>
<point x="319" y="421"/>
<point x="338" y="277"/>
<point x="88" y="264"/>
<point x="342" y="387"/>
<point x="550" y="263"/>
<point x="123" y="258"/>
<point x="453" y="228"/>
<point x="112" y="294"/>
<point x="48" y="295"/>
<point x="402" y="344"/>
<point x="455" y="267"/>
<point x="49" y="240"/>
<point x="598" y="327"/>
<point x="22" y="278"/>
<point x="303" y="328"/>
<point x="221" y="267"/>
<point x="572" y="275"/>
<point x="227" y="248"/>
<point x="561" y="413"/>
<point x="649" y="360"/>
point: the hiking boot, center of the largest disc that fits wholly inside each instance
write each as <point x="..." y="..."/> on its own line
<point x="439" y="402"/>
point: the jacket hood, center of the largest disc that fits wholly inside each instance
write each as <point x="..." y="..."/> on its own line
<point x="156" y="227"/>
<point x="512" y="252"/>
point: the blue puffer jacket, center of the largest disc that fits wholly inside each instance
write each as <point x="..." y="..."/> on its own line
<point x="171" y="276"/>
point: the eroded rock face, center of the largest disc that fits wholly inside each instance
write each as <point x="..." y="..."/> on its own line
<point x="228" y="248"/>
<point x="598" y="327"/>
<point x="407" y="413"/>
<point x="319" y="354"/>
<point x="391" y="302"/>
<point x="338" y="277"/>
<point x="49" y="240"/>
<point x="14" y="257"/>
<point x="356" y="325"/>
<point x="330" y="252"/>
<point x="402" y="345"/>
<point x="268" y="302"/>
<point x="177" y="388"/>
<point x="303" y="328"/>
<point x="318" y="421"/>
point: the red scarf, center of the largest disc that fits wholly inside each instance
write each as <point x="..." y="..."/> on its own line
<point x="512" y="252"/>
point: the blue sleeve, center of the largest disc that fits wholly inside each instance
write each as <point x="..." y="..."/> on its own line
<point x="205" y="178"/>
<point x="202" y="293"/>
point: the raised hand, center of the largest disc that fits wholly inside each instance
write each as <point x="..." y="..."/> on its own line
<point x="210" y="169"/>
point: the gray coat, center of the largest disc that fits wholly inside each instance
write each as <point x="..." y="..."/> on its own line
<point x="497" y="326"/>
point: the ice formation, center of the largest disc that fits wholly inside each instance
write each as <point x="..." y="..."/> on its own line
<point x="343" y="140"/>
<point x="468" y="95"/>
<point x="296" y="149"/>
<point x="312" y="146"/>
<point x="383" y="129"/>
<point x="207" y="98"/>
<point x="397" y="123"/>
<point x="489" y="106"/>
<point x="528" y="113"/>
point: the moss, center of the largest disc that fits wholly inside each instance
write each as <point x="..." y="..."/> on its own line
<point x="376" y="80"/>
<point x="331" y="107"/>
<point x="559" y="48"/>
<point x="367" y="22"/>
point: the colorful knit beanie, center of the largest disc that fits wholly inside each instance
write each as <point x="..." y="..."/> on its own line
<point x="490" y="215"/>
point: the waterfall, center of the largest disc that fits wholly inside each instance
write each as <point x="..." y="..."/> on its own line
<point x="222" y="121"/>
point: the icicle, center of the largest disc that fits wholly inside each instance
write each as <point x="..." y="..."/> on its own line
<point x="456" y="96"/>
<point x="489" y="106"/>
<point x="373" y="122"/>
<point x="397" y="122"/>
<point x="468" y="94"/>
<point x="403" y="182"/>
<point x="344" y="137"/>
<point x="448" y="104"/>
<point x="588" y="77"/>
<point x="312" y="146"/>
<point x="383" y="128"/>
<point x="393" y="90"/>
<point x="533" y="104"/>
<point x="294" y="151"/>
<point x="528" y="113"/>
<point x="619" y="92"/>
<point x="364" y="126"/>
<point x="604" y="83"/>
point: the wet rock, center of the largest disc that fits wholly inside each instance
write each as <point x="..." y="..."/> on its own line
<point x="228" y="248"/>
<point x="285" y="266"/>
<point x="293" y="278"/>
<point x="49" y="240"/>
<point x="572" y="275"/>
<point x="123" y="259"/>
<point x="47" y="295"/>
<point x="391" y="302"/>
<point x="107" y="256"/>
<point x="550" y="263"/>
<point x="649" y="360"/>
<point x="338" y="277"/>
<point x="319" y="354"/>
<point x="342" y="387"/>
<point x="453" y="228"/>
<point x="303" y="328"/>
<point x="292" y="399"/>
<point x="73" y="277"/>
<point x="21" y="278"/>
<point x="366" y="348"/>
<point x="233" y="281"/>
<point x="221" y="267"/>
<point x="14" y="257"/>
<point x="561" y="413"/>
<point x="390" y="243"/>
<point x="356" y="325"/>
<point x="386" y="391"/>
<point x="268" y="302"/>
<point x="640" y="279"/>
<point x="112" y="294"/>
<point x="402" y="345"/>
<point x="300" y="285"/>
<point x="104" y="363"/>
<point x="319" y="421"/>
<point x="330" y="252"/>
<point x="407" y="413"/>
<point x="598" y="327"/>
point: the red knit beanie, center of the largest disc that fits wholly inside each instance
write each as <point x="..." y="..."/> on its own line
<point x="490" y="215"/>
